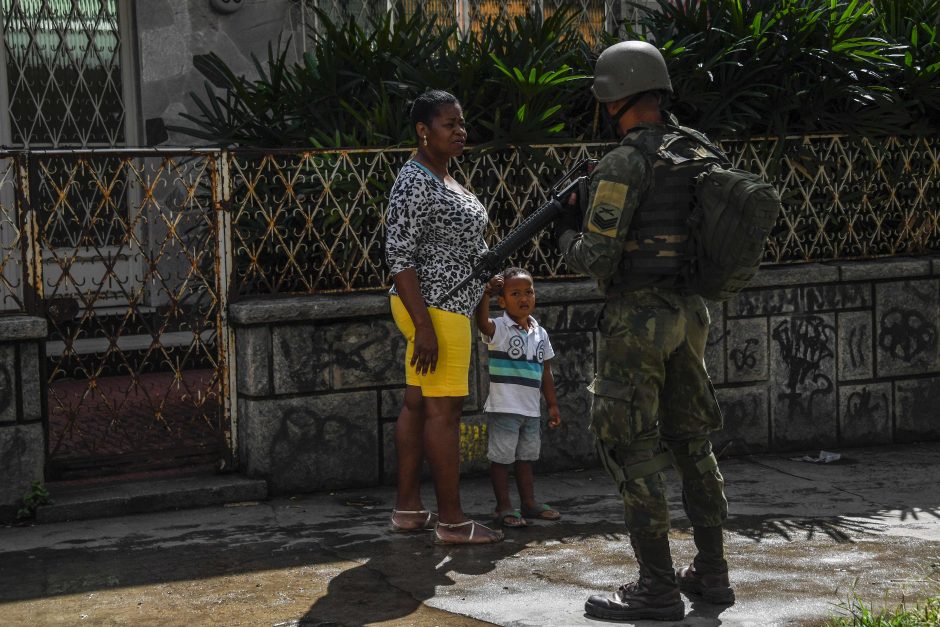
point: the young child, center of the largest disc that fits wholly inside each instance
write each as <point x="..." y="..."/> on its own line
<point x="520" y="365"/>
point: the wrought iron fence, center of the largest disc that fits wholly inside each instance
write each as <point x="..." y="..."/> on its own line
<point x="313" y="222"/>
<point x="132" y="255"/>
<point x="849" y="198"/>
<point x="119" y="251"/>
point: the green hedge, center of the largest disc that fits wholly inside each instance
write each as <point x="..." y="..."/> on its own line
<point x="739" y="67"/>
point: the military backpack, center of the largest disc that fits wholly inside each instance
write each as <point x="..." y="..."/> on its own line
<point x="732" y="214"/>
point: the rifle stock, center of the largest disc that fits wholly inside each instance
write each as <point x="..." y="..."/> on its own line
<point x="490" y="262"/>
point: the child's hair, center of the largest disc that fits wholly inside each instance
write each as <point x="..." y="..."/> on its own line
<point x="513" y="272"/>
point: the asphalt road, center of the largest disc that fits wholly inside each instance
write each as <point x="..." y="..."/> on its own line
<point x="803" y="539"/>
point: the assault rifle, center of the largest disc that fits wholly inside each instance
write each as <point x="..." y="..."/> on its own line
<point x="491" y="261"/>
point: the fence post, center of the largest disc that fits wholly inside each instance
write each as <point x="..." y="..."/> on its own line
<point x="29" y="235"/>
<point x="222" y="200"/>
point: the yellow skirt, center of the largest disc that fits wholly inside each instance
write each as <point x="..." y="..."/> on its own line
<point x="453" y="351"/>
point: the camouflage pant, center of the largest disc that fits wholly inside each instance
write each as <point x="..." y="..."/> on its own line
<point x="654" y="406"/>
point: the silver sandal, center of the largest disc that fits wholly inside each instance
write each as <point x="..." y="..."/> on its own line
<point x="497" y="536"/>
<point x="429" y="522"/>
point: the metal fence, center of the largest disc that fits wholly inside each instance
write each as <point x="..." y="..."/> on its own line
<point x="132" y="256"/>
<point x="120" y="251"/>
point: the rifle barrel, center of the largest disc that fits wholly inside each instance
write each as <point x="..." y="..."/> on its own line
<point x="524" y="231"/>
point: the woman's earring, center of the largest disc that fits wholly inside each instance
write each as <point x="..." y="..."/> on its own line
<point x="425" y="140"/>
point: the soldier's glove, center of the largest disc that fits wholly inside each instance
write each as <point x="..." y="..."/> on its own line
<point x="569" y="220"/>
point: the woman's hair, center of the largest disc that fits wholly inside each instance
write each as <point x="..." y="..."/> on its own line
<point x="427" y="105"/>
<point x="514" y="271"/>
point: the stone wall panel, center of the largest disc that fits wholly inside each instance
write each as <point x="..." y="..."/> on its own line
<point x="473" y="443"/>
<point x="746" y="341"/>
<point x="8" y="391"/>
<point x="766" y="302"/>
<point x="22" y="453"/>
<point x="915" y="407"/>
<point x="302" y="444"/>
<point x="367" y="354"/>
<point x="253" y="360"/>
<point x="856" y="345"/>
<point x="30" y="383"/>
<point x="803" y="381"/>
<point x="746" y="420"/>
<point x="906" y="327"/>
<point x="836" y="297"/>
<point x="302" y="358"/>
<point x="865" y="414"/>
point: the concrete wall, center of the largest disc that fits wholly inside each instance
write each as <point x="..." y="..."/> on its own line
<point x="170" y="32"/>
<point x="810" y="356"/>
<point x="22" y="443"/>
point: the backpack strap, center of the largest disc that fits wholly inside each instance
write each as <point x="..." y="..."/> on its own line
<point x="701" y="141"/>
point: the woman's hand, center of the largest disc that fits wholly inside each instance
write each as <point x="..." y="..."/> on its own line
<point x="424" y="358"/>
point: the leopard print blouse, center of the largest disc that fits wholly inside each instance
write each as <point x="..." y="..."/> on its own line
<point x="439" y="233"/>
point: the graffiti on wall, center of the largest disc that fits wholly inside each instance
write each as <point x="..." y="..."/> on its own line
<point x="473" y="441"/>
<point x="906" y="333"/>
<point x="765" y="302"/>
<point x="742" y="410"/>
<point x="836" y="297"/>
<point x="744" y="358"/>
<point x="858" y="346"/>
<point x="805" y="343"/>
<point x="862" y="405"/>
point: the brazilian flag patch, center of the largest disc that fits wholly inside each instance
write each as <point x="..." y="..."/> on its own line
<point x="607" y="208"/>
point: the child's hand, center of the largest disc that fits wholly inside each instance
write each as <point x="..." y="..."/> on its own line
<point x="554" y="417"/>
<point x="494" y="286"/>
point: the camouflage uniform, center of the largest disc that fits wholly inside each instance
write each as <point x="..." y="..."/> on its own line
<point x="653" y="402"/>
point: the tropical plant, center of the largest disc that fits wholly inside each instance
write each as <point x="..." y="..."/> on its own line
<point x="778" y="67"/>
<point x="514" y="79"/>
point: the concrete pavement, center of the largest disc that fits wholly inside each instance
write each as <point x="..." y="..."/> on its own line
<point x="802" y="539"/>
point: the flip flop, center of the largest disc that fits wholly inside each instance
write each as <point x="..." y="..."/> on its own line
<point x="430" y="520"/>
<point x="541" y="512"/>
<point x="472" y="538"/>
<point x="509" y="518"/>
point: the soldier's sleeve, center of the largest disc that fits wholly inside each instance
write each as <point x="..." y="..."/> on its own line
<point x="617" y="186"/>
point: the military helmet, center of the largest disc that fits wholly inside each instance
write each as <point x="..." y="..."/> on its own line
<point x="627" y="68"/>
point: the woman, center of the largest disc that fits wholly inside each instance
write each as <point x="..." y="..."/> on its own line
<point x="434" y="233"/>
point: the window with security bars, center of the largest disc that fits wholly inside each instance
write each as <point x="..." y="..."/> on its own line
<point x="469" y="15"/>
<point x="363" y="12"/>
<point x="62" y="74"/>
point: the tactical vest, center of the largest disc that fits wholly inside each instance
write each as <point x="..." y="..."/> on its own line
<point x="655" y="251"/>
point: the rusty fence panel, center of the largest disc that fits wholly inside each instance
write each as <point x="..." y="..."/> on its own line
<point x="129" y="282"/>
<point x="312" y="222"/>
<point x="11" y="234"/>
<point x="849" y="197"/>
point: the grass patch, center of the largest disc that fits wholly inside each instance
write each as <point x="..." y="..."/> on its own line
<point x="922" y="614"/>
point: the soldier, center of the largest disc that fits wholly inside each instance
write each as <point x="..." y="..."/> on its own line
<point x="653" y="402"/>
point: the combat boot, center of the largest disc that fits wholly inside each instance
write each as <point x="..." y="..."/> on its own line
<point x="655" y="595"/>
<point x="707" y="576"/>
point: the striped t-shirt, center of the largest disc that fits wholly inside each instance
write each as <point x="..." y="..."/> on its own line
<point x="516" y="359"/>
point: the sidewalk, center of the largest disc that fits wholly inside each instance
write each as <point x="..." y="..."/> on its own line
<point x="802" y="539"/>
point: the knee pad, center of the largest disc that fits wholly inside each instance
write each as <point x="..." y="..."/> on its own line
<point x="634" y="462"/>
<point x="637" y="472"/>
<point x="693" y="458"/>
